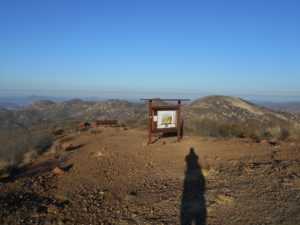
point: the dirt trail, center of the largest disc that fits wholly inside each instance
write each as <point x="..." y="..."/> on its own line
<point x="112" y="177"/>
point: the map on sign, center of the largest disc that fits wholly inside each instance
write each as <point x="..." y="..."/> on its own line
<point x="166" y="119"/>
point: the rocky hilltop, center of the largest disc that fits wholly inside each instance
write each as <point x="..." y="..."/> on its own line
<point x="231" y="109"/>
<point x="229" y="116"/>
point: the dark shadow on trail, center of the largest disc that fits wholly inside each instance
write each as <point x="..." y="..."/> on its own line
<point x="193" y="208"/>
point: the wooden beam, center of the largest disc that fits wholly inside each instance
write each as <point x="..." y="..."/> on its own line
<point x="164" y="99"/>
<point x="178" y="120"/>
<point x="149" y="121"/>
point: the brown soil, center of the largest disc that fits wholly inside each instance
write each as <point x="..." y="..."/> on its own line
<point x="111" y="177"/>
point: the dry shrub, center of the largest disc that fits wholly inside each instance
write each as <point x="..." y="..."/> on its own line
<point x="136" y="122"/>
<point x="209" y="127"/>
<point x="190" y="129"/>
<point x="272" y="133"/>
<point x="217" y="128"/>
<point x="20" y="146"/>
<point x="70" y="126"/>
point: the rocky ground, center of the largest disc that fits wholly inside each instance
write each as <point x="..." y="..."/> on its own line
<point x="110" y="176"/>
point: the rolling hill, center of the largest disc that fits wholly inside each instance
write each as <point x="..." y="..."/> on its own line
<point x="48" y="112"/>
<point x="229" y="116"/>
<point x="209" y="116"/>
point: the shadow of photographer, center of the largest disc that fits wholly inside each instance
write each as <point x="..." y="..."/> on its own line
<point x="193" y="208"/>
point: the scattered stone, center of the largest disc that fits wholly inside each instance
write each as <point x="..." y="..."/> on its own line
<point x="4" y="175"/>
<point x="223" y="199"/>
<point x="68" y="147"/>
<point x="264" y="142"/>
<point x="273" y="141"/>
<point x="57" y="170"/>
<point x="65" y="166"/>
<point x="133" y="193"/>
<point x="52" y="209"/>
<point x="205" y="172"/>
<point x="83" y="124"/>
<point x="99" y="154"/>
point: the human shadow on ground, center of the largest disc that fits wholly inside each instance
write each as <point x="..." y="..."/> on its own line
<point x="193" y="208"/>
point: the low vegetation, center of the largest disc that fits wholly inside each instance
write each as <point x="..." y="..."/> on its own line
<point x="222" y="116"/>
<point x="140" y="121"/>
<point x="25" y="133"/>
<point x="20" y="147"/>
<point x="216" y="128"/>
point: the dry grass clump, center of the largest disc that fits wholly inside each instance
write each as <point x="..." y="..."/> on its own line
<point x="140" y="121"/>
<point x="70" y="126"/>
<point x="217" y="128"/>
<point x="272" y="133"/>
<point x="209" y="127"/>
<point x="20" y="147"/>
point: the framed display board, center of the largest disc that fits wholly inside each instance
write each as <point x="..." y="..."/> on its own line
<point x="164" y="118"/>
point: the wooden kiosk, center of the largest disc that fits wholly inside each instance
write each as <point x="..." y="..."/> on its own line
<point x="164" y="118"/>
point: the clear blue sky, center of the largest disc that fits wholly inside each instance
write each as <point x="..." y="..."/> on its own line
<point x="242" y="47"/>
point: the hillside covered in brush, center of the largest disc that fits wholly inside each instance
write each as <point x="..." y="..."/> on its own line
<point x="30" y="130"/>
<point x="47" y="112"/>
<point x="229" y="116"/>
<point x="209" y="116"/>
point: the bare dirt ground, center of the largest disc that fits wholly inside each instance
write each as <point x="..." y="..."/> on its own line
<point x="110" y="176"/>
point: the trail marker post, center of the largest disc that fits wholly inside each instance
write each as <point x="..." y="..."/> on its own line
<point x="164" y="118"/>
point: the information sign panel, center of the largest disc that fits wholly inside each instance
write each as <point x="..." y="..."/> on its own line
<point x="166" y="119"/>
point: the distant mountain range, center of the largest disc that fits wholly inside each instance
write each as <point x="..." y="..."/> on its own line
<point x="291" y="107"/>
<point x="20" y="102"/>
<point x="212" y="115"/>
<point x="47" y="112"/>
<point x="14" y="103"/>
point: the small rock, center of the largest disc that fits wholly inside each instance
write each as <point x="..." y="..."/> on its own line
<point x="133" y="215"/>
<point x="68" y="147"/>
<point x="99" y="154"/>
<point x="51" y="209"/>
<point x="264" y="142"/>
<point x="65" y="166"/>
<point x="57" y="170"/>
<point x="83" y="124"/>
<point x="273" y="141"/>
<point x="163" y="187"/>
<point x="134" y="193"/>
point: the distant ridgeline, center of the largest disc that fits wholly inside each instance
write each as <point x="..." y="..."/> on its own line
<point x="208" y="116"/>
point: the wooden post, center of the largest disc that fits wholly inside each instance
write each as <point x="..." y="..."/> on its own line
<point x="149" y="121"/>
<point x="178" y="121"/>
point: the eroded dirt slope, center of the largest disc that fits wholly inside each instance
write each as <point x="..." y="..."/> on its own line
<point x="110" y="176"/>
